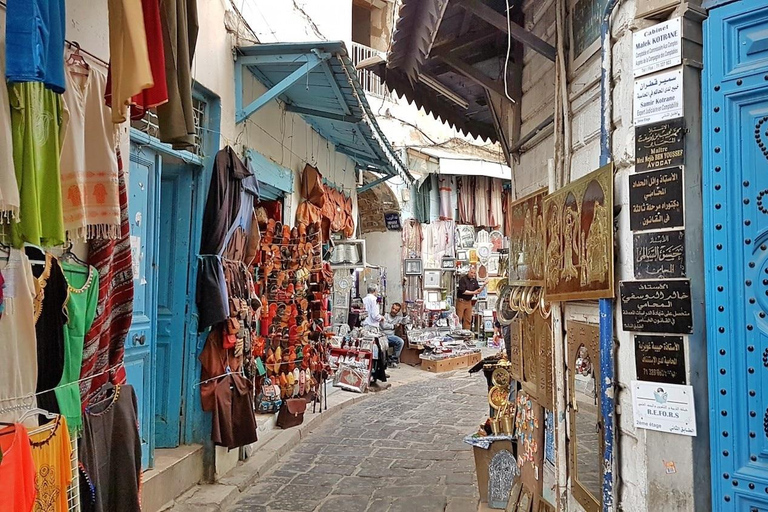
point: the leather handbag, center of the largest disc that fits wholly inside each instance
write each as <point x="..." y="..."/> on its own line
<point x="312" y="186"/>
<point x="291" y="413"/>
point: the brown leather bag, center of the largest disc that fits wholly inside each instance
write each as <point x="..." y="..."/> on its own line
<point x="312" y="186"/>
<point x="291" y="413"/>
<point x="254" y="241"/>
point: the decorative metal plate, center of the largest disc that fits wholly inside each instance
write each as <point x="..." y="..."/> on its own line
<point x="579" y="238"/>
<point x="501" y="471"/>
<point x="526" y="239"/>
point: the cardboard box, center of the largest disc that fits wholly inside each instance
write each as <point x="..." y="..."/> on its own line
<point x="411" y="356"/>
<point x="482" y="460"/>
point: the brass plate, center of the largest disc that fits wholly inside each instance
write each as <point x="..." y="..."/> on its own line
<point x="579" y="238"/>
<point x="498" y="397"/>
<point x="500" y="377"/>
<point x="526" y="235"/>
<point x="516" y="350"/>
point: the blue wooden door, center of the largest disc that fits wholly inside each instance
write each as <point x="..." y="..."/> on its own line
<point x="735" y="180"/>
<point x="144" y="173"/>
<point x="172" y="298"/>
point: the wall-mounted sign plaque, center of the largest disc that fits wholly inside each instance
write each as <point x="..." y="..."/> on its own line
<point x="660" y="358"/>
<point x="664" y="407"/>
<point x="657" y="47"/>
<point x="657" y="306"/>
<point x="659" y="97"/>
<point x="660" y="254"/>
<point x="660" y="145"/>
<point x="579" y="238"/>
<point x="656" y="200"/>
<point x="526" y="239"/>
<point x="392" y="221"/>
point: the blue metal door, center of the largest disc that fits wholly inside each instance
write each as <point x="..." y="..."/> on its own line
<point x="735" y="180"/>
<point x="144" y="173"/>
<point x="172" y="298"/>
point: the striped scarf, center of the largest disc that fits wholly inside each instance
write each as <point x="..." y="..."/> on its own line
<point x="105" y="341"/>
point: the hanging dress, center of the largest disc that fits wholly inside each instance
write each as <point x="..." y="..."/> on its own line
<point x="110" y="452"/>
<point x="446" y="196"/>
<point x="466" y="200"/>
<point x="9" y="189"/>
<point x="481" y="201"/>
<point x="158" y="93"/>
<point x="496" y="219"/>
<point x="50" y="318"/>
<point x="35" y="42"/>
<point x="91" y="205"/>
<point x="81" y="310"/>
<point x="36" y="124"/>
<point x="52" y="453"/>
<point x="18" y="364"/>
<point x="130" y="71"/>
<point x="17" y="470"/>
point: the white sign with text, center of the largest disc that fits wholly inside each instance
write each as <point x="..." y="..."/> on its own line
<point x="659" y="97"/>
<point x="657" y="47"/>
<point x="664" y="407"/>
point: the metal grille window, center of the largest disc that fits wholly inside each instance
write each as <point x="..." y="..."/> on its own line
<point x="149" y="124"/>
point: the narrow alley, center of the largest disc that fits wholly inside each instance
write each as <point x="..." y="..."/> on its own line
<point x="400" y="450"/>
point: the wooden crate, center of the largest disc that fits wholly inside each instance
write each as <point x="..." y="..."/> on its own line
<point x="450" y="364"/>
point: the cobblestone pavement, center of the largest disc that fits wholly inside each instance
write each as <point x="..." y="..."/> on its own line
<point x="398" y="451"/>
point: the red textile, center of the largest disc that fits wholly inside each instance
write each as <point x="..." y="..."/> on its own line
<point x="274" y="209"/>
<point x="104" y="343"/>
<point x="158" y="93"/>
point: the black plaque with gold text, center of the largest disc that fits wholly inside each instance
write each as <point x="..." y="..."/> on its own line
<point x="660" y="145"/>
<point x="657" y="306"/>
<point x="656" y="200"/>
<point x="659" y="255"/>
<point x="660" y="358"/>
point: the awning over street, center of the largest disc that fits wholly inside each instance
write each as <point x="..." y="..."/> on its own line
<point x="318" y="81"/>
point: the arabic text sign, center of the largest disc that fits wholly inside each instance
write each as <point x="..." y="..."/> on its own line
<point x="660" y="358"/>
<point x="392" y="221"/>
<point x="659" y="97"/>
<point x="659" y="255"/>
<point x="664" y="407"/>
<point x="657" y="47"/>
<point x="656" y="306"/>
<point x="656" y="200"/>
<point x="660" y="145"/>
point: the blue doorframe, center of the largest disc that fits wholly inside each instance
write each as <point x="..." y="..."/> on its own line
<point x="735" y="193"/>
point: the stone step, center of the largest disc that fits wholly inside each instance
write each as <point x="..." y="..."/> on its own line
<point x="176" y="471"/>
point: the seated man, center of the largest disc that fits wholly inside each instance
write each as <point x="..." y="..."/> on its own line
<point x="388" y="324"/>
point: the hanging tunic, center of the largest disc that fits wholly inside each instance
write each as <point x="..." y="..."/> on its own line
<point x="18" y="364"/>
<point x="104" y="344"/>
<point x="496" y="217"/>
<point x="81" y="309"/>
<point x="130" y="70"/>
<point x="222" y="207"/>
<point x="158" y="93"/>
<point x="110" y="452"/>
<point x="176" y="118"/>
<point x="35" y="42"/>
<point x="17" y="470"/>
<point x="50" y="319"/>
<point x="422" y="201"/>
<point x="481" y="201"/>
<point x="446" y="199"/>
<point x="36" y="123"/>
<point x="52" y="452"/>
<point x="9" y="189"/>
<point x="466" y="200"/>
<point x="91" y="205"/>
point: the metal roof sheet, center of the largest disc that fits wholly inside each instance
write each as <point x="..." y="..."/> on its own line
<point x="329" y="97"/>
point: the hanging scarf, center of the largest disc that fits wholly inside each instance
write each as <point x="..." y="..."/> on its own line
<point x="105" y="342"/>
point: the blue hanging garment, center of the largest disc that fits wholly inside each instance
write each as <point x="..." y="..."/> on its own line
<point x="34" y="35"/>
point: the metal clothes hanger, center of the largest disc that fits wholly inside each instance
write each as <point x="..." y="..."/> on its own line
<point x="76" y="60"/>
<point x="69" y="255"/>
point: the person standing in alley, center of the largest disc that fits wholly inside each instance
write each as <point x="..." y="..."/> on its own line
<point x="469" y="288"/>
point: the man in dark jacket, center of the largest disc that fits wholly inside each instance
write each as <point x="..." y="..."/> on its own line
<point x="469" y="288"/>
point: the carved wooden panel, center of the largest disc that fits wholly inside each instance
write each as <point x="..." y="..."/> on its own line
<point x="579" y="238"/>
<point x="526" y="239"/>
<point x="530" y="350"/>
<point x="515" y="350"/>
<point x="546" y="356"/>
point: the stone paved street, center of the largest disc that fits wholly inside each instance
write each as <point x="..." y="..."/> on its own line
<point x="397" y="451"/>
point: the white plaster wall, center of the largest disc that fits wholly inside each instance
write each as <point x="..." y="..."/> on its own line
<point x="288" y="20"/>
<point x="383" y="249"/>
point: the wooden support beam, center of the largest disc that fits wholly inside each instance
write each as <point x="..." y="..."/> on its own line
<point x="487" y="14"/>
<point x="474" y="74"/>
<point x="322" y="114"/>
<point x="463" y="43"/>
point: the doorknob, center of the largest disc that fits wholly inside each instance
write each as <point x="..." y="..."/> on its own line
<point x="139" y="339"/>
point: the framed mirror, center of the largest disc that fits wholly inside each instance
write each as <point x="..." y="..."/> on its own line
<point x="586" y="429"/>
